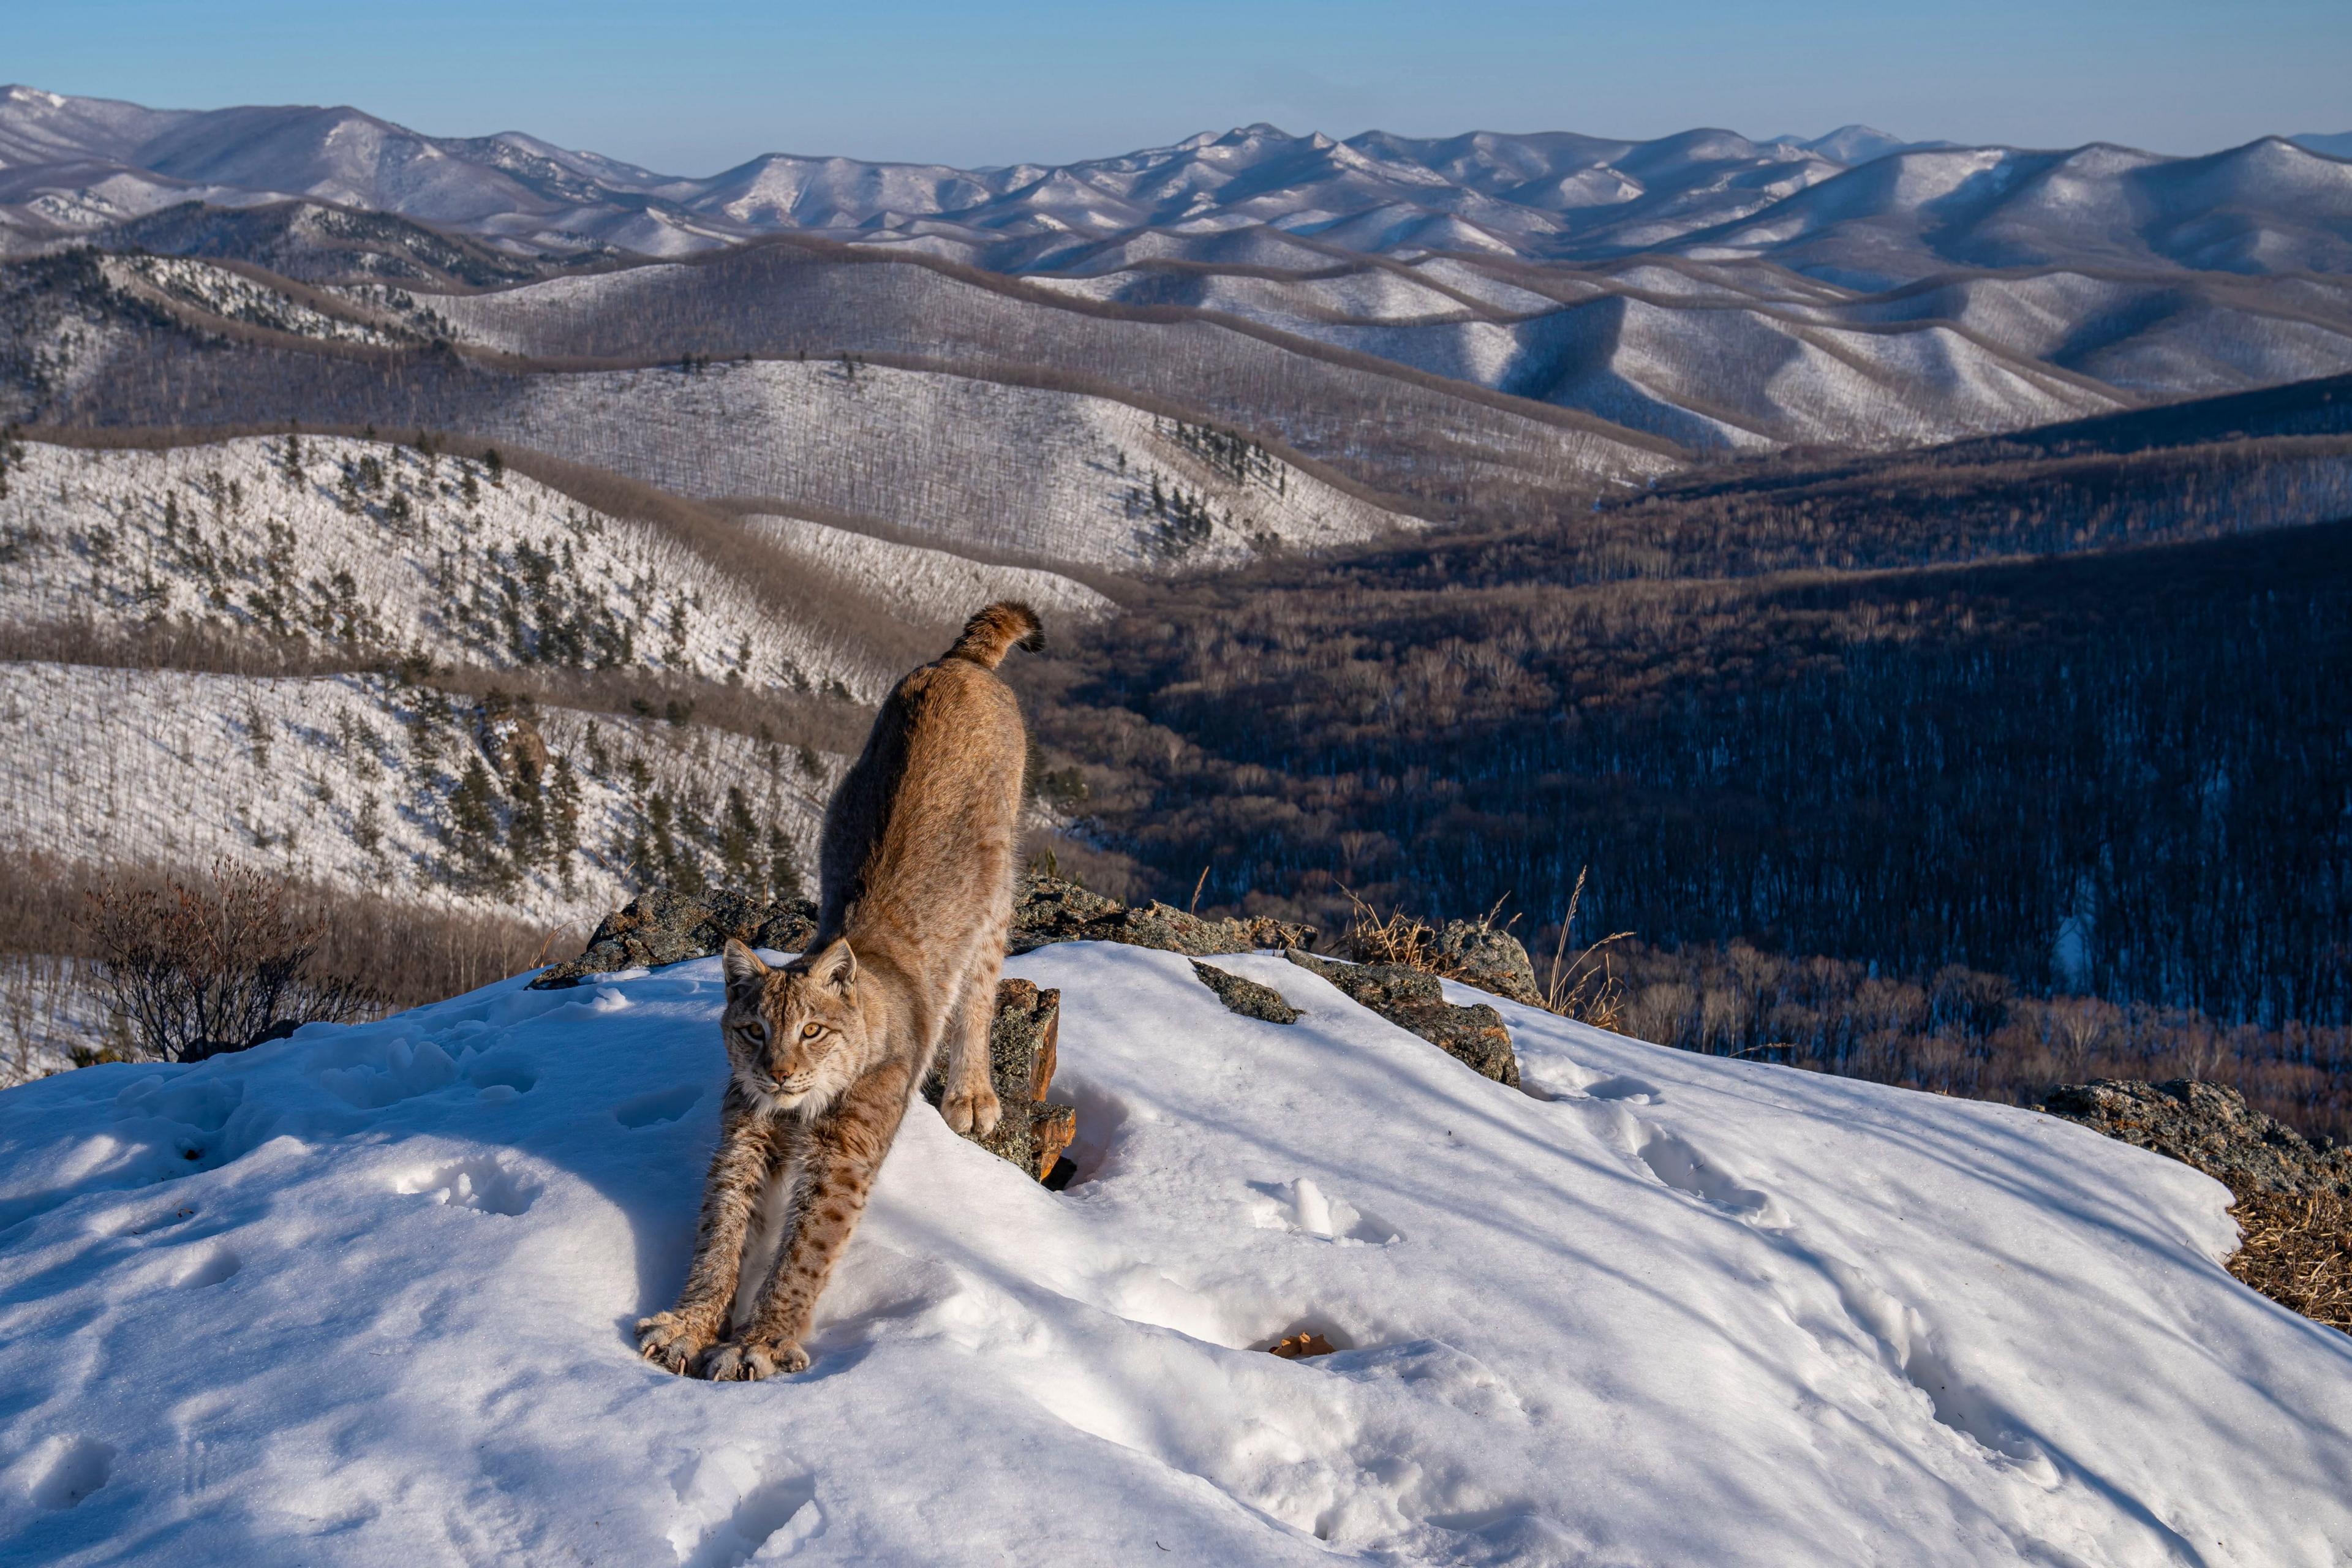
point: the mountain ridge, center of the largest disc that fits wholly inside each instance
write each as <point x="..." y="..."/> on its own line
<point x="69" y="166"/>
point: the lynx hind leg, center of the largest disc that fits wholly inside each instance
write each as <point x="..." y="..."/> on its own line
<point x="970" y="1104"/>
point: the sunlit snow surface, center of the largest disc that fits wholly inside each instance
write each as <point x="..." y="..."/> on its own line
<point x="364" y="1296"/>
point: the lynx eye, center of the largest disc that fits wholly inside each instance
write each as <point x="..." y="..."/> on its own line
<point x="811" y="1031"/>
<point x="758" y="1033"/>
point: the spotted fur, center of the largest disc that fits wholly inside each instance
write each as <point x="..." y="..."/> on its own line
<point x="825" y="1053"/>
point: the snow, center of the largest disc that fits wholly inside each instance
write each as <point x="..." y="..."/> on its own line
<point x="365" y="1296"/>
<point x="221" y="533"/>
<point x="924" y="585"/>
<point x="970" y="464"/>
<point x="343" y="780"/>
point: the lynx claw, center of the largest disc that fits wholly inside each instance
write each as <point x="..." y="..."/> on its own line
<point x="669" y="1342"/>
<point x="749" y="1361"/>
<point x="976" y="1113"/>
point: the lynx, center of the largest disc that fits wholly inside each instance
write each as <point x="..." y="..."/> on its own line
<point x="916" y="864"/>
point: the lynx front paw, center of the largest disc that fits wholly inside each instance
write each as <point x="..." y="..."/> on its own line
<point x="670" y="1340"/>
<point x="977" y="1112"/>
<point x="749" y="1361"/>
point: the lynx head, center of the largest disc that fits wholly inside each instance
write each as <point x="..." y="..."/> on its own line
<point x="795" y="1037"/>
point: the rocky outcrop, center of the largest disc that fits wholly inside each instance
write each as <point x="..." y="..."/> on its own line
<point x="1246" y="997"/>
<point x="1488" y="957"/>
<point x="1413" y="1000"/>
<point x="2211" y="1127"/>
<point x="660" y="927"/>
<point x="511" y="741"/>
<point x="1047" y="910"/>
<point x="1023" y="1049"/>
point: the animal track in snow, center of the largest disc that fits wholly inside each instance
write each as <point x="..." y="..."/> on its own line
<point x="210" y="1267"/>
<point x="1303" y="1206"/>
<point x="1676" y="1162"/>
<point x="502" y="1075"/>
<point x="1910" y="1348"/>
<point x="1430" y="1369"/>
<point x="479" y="1184"/>
<point x="730" y="1513"/>
<point x="1556" y="1078"/>
<point x="382" y="1072"/>
<point x="65" y="1471"/>
<point x="1102" y="1118"/>
<point x="656" y="1106"/>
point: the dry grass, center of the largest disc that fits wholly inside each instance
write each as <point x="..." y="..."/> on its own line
<point x="2297" y="1251"/>
<point x="1587" y="989"/>
<point x="1399" y="939"/>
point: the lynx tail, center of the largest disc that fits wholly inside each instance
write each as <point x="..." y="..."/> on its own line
<point x="1007" y="624"/>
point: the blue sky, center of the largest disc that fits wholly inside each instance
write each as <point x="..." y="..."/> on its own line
<point x="694" y="88"/>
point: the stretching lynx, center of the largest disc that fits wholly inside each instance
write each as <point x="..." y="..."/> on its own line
<point x="917" y="868"/>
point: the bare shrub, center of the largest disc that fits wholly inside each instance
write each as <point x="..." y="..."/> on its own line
<point x="214" y="964"/>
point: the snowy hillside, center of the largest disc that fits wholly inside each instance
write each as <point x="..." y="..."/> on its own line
<point x="976" y="465"/>
<point x="347" y="781"/>
<point x="363" y="1295"/>
<point x="1736" y="355"/>
<point x="928" y="585"/>
<point x="372" y="548"/>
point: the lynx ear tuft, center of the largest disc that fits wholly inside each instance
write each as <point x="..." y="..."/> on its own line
<point x="740" y="965"/>
<point x="837" y="967"/>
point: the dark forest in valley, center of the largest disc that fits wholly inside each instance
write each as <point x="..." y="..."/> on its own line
<point x="1977" y="774"/>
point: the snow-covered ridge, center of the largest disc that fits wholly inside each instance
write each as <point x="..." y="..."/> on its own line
<point x="928" y="585"/>
<point x="373" y="548"/>
<point x="364" y="1296"/>
<point x="974" y="464"/>
<point x="70" y="165"/>
<point x="352" y="782"/>
<point x="235" y="296"/>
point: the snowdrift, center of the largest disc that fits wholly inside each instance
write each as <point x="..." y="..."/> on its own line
<point x="364" y="1296"/>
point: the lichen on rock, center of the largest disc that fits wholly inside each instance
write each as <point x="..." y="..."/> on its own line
<point x="1023" y="1050"/>
<point x="2209" y="1126"/>
<point x="660" y="927"/>
<point x="1488" y="957"/>
<point x="1475" y="1035"/>
<point x="1047" y="910"/>
<point x="1246" y="997"/>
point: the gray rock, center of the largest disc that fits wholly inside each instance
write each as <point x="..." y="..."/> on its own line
<point x="661" y="927"/>
<point x="1246" y="997"/>
<point x="1023" y="1051"/>
<point x="1047" y="910"/>
<point x="1475" y="1036"/>
<point x="1488" y="957"/>
<point x="2211" y="1127"/>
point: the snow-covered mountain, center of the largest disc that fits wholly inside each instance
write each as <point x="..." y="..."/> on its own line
<point x="1857" y="203"/>
<point x="364" y="1295"/>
